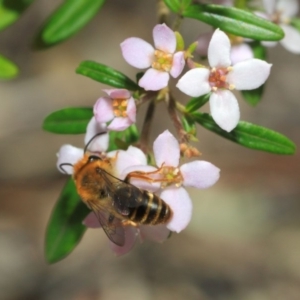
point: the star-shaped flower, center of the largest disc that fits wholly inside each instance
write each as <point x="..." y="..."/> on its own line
<point x="221" y="78"/>
<point x="281" y="12"/>
<point x="119" y="107"/>
<point x="162" y="60"/>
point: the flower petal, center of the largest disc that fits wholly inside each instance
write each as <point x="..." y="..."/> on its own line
<point x="154" y="80"/>
<point x="103" y="110"/>
<point x="181" y="205"/>
<point x="130" y="238"/>
<point x="166" y="150"/>
<point x="219" y="50"/>
<point x="199" y="174"/>
<point x="195" y="82"/>
<point x="91" y="221"/>
<point x="178" y="64"/>
<point x="164" y="38"/>
<point x="291" y="40"/>
<point x="249" y="74"/>
<point x="157" y="233"/>
<point x="287" y="8"/>
<point x="119" y="124"/>
<point x="137" y="52"/>
<point x="240" y="52"/>
<point x="96" y="143"/>
<point x="118" y="93"/>
<point x="131" y="110"/>
<point x="224" y="109"/>
<point x="68" y="154"/>
<point x="140" y="183"/>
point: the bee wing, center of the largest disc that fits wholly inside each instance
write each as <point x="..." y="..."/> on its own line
<point x="111" y="225"/>
<point x="124" y="195"/>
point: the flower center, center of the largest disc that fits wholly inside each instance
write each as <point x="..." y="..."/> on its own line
<point x="170" y="176"/>
<point x="120" y="107"/>
<point x="217" y="79"/>
<point x="162" y="61"/>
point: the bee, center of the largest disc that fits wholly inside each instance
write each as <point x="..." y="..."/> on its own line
<point x="115" y="202"/>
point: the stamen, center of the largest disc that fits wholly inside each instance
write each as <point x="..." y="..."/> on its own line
<point x="120" y="107"/>
<point x="162" y="61"/>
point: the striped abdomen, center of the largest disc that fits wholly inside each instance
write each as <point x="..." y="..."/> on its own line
<point x="152" y="210"/>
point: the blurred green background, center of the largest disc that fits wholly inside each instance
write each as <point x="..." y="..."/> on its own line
<point x="244" y="238"/>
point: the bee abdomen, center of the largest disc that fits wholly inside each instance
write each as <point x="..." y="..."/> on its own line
<point x="152" y="211"/>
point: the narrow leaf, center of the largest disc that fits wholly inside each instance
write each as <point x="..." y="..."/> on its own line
<point x="235" y="21"/>
<point x="249" y="135"/>
<point x="11" y="10"/>
<point x="72" y="120"/>
<point x="8" y="69"/>
<point x="65" y="228"/>
<point x="106" y="75"/>
<point x="66" y="21"/>
<point x="195" y="103"/>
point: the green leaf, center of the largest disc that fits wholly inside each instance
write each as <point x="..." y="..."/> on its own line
<point x="65" y="229"/>
<point x="66" y="21"/>
<point x="11" y="10"/>
<point x="72" y="120"/>
<point x="249" y="135"/>
<point x="235" y="21"/>
<point x="195" y="103"/>
<point x="106" y="75"/>
<point x="254" y="96"/>
<point x="8" y="69"/>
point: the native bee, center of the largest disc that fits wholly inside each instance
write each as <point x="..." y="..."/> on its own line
<point x="116" y="202"/>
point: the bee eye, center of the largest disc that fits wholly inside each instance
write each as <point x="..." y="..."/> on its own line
<point x="93" y="158"/>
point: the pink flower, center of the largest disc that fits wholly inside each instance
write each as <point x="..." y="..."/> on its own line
<point x="170" y="178"/>
<point x="69" y="154"/>
<point x="163" y="60"/>
<point x="222" y="78"/>
<point x="119" y="107"/>
<point x="281" y="12"/>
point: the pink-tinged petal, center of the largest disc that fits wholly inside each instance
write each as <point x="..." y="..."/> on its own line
<point x="157" y="233"/>
<point x="219" y="50"/>
<point x="91" y="221"/>
<point x="132" y="157"/>
<point x="269" y="6"/>
<point x="154" y="80"/>
<point x="203" y="42"/>
<point x="291" y="40"/>
<point x="119" y="124"/>
<point x="137" y="52"/>
<point x="195" y="82"/>
<point x="68" y="154"/>
<point x="249" y="74"/>
<point x="164" y="38"/>
<point x="103" y="110"/>
<point x="181" y="205"/>
<point x="96" y="143"/>
<point x="287" y="8"/>
<point x="131" y="234"/>
<point x="240" y="52"/>
<point x="166" y="150"/>
<point x="142" y="184"/>
<point x="199" y="174"/>
<point x="224" y="109"/>
<point x="178" y="64"/>
<point x="117" y="93"/>
<point x="131" y="110"/>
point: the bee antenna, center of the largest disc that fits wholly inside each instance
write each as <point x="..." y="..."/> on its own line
<point x="64" y="164"/>
<point x="89" y="142"/>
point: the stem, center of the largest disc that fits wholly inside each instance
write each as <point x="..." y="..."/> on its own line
<point x="146" y="127"/>
<point x="162" y="12"/>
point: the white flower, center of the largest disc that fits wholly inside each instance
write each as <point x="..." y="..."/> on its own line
<point x="221" y="78"/>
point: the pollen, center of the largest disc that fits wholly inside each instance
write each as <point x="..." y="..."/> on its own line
<point x="218" y="78"/>
<point x="162" y="61"/>
<point x="170" y="176"/>
<point x="120" y="107"/>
